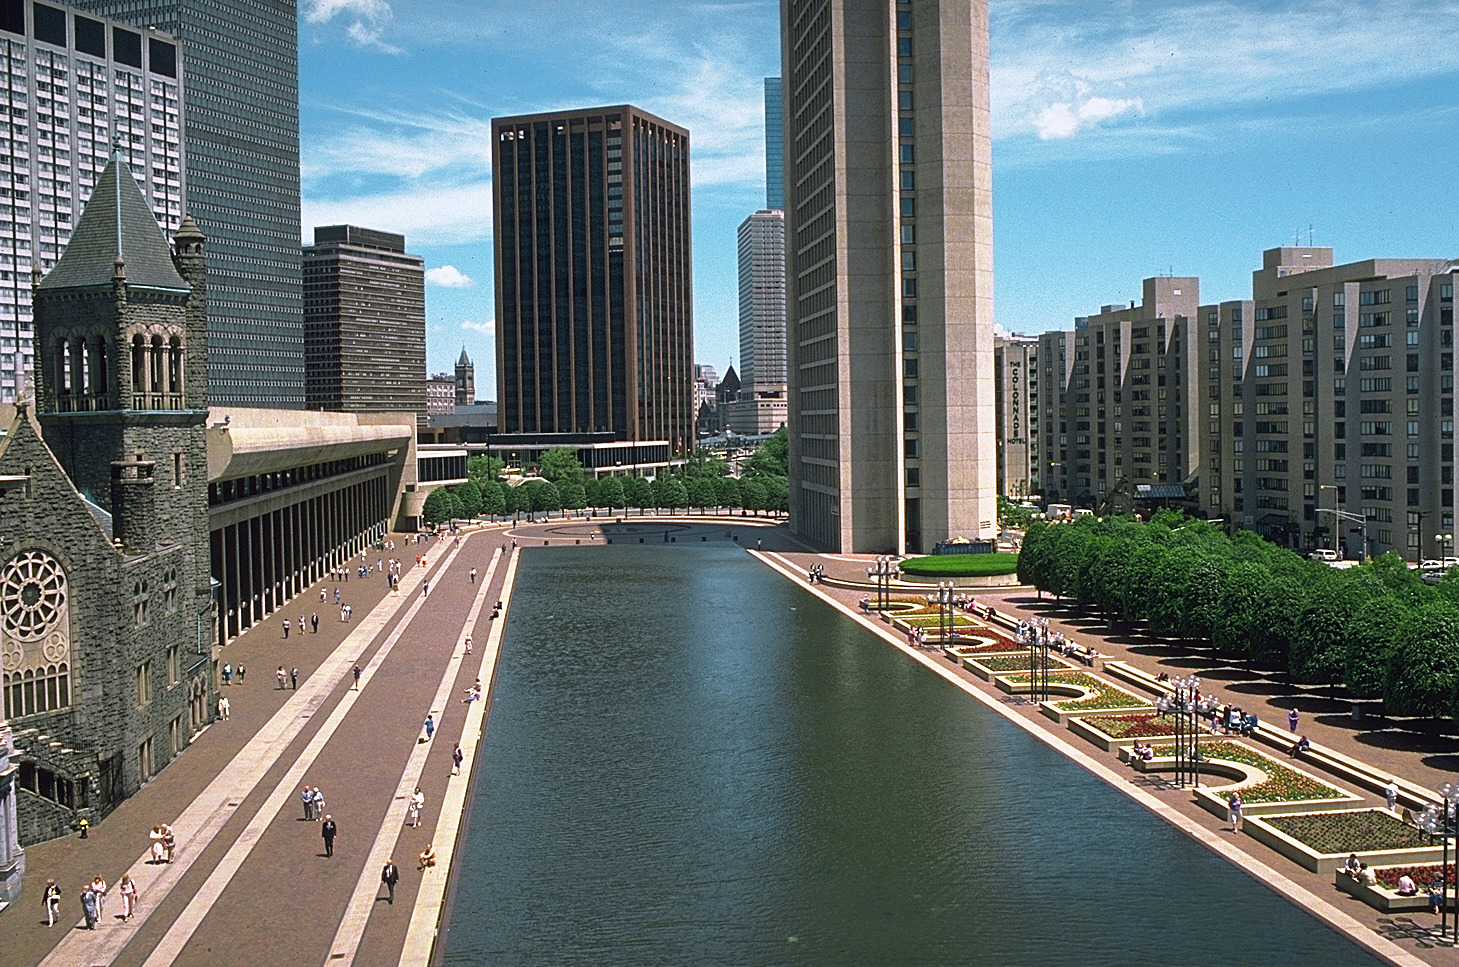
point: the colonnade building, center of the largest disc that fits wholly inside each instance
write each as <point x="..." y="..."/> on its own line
<point x="1318" y="413"/>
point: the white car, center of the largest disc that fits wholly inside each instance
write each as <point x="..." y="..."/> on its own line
<point x="1323" y="554"/>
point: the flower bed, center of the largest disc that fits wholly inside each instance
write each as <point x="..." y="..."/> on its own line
<point x="933" y="621"/>
<point x="985" y="646"/>
<point x="1015" y="662"/>
<point x="1141" y="726"/>
<point x="1282" y="784"/>
<point x="1102" y="695"/>
<point x="1422" y="875"/>
<point x="1363" y="831"/>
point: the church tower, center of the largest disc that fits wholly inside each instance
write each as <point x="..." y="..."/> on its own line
<point x="465" y="380"/>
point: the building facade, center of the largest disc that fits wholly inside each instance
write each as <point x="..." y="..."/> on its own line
<point x="594" y="316"/>
<point x="106" y="603"/>
<point x="441" y="393"/>
<point x="365" y="321"/>
<point x="889" y="273"/>
<point x="465" y="380"/>
<point x="74" y="82"/>
<point x="241" y="128"/>
<point x="1015" y="381"/>
<point x="761" y="405"/>
<point x="774" y="144"/>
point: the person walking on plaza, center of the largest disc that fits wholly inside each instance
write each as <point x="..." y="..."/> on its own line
<point x="425" y="589"/>
<point x="1233" y="811"/>
<point x="294" y="679"/>
<point x="417" y="803"/>
<point x="281" y="675"/>
<point x="1292" y="720"/>
<point x="473" y="575"/>
<point x="314" y="623"/>
<point x="468" y="644"/>
<point x="390" y="876"/>
<point x="357" y="678"/>
<point x="457" y="758"/>
<point x="98" y="888"/>
<point x="241" y="672"/>
<point x="307" y="797"/>
<point x="286" y="627"/>
<point x="430" y="726"/>
<point x="128" y="890"/>
<point x="227" y="674"/>
<point x="1390" y="794"/>
<point x="52" y="901"/>
<point x="224" y="708"/>
<point x="318" y="803"/>
<point x="89" y="906"/>
<point x="348" y="613"/>
<point x="336" y="595"/>
<point x="328" y="831"/>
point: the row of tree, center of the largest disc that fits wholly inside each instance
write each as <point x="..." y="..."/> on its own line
<point x="559" y="483"/>
<point x="1378" y="629"/>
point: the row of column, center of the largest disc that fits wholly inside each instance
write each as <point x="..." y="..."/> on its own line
<point x="267" y="559"/>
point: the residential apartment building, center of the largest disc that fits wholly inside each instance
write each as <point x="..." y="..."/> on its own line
<point x="1015" y="383"/>
<point x="74" y="83"/>
<point x="594" y="311"/>
<point x="441" y="393"/>
<point x="1117" y="396"/>
<point x="240" y="97"/>
<point x="889" y="273"/>
<point x="365" y="321"/>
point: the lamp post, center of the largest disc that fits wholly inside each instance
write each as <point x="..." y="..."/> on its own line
<point x="1034" y="634"/>
<point x="1336" y="525"/>
<point x="1184" y="706"/>
<point x="1359" y="519"/>
<point x="943" y="599"/>
<point x="1446" y="545"/>
<point x="881" y="571"/>
<point x="1443" y="821"/>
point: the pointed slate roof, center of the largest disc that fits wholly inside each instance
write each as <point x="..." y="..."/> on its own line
<point x="116" y="223"/>
<point x="465" y="360"/>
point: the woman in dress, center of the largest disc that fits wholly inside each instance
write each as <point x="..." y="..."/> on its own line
<point x="128" y="890"/>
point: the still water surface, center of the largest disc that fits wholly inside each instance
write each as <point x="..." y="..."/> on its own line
<point x="691" y="760"/>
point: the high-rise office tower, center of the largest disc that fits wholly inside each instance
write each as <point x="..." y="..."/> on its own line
<point x="774" y="144"/>
<point x="364" y="321"/>
<point x="594" y="318"/>
<point x="73" y="83"/>
<point x="761" y="406"/>
<point x="1015" y="377"/>
<point x="241" y="126"/>
<point x="889" y="272"/>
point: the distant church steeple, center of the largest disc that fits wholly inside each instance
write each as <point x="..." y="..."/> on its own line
<point x="465" y="380"/>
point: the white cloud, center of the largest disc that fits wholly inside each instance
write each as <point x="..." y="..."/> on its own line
<point x="367" y="20"/>
<point x="1064" y="120"/>
<point x="449" y="277"/>
<point x="487" y="328"/>
<point x="425" y="214"/>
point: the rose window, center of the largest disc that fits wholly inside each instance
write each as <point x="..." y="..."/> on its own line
<point x="32" y="595"/>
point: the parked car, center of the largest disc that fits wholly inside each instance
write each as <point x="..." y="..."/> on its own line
<point x="1324" y="554"/>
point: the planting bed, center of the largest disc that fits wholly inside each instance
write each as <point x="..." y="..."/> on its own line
<point x="1321" y="841"/>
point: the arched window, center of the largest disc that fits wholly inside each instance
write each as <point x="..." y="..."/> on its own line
<point x="78" y="367"/>
<point x="63" y="362"/>
<point x="98" y="366"/>
<point x="139" y="365"/>
<point x="174" y="367"/>
<point x="157" y="364"/>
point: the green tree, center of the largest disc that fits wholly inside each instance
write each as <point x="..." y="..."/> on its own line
<point x="702" y="463"/>
<point x="701" y="492"/>
<point x="484" y="467"/>
<point x="777" y="494"/>
<point x="613" y="496"/>
<point x="727" y="492"/>
<point x="1279" y="607"/>
<point x="470" y="496"/>
<point x="1371" y="635"/>
<point x="1034" y="556"/>
<point x="545" y="497"/>
<point x="752" y="494"/>
<point x="593" y="492"/>
<point x="1239" y="601"/>
<point x="439" y="506"/>
<point x="675" y="494"/>
<point x="1423" y="669"/>
<point x="1319" y="641"/>
<point x="640" y="493"/>
<point x="560" y="465"/>
<point x="771" y="458"/>
<point x="574" y="496"/>
<point x="493" y="498"/>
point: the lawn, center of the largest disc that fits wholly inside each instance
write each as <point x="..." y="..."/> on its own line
<point x="961" y="565"/>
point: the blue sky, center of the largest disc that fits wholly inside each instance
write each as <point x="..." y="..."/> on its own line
<point x="1130" y="138"/>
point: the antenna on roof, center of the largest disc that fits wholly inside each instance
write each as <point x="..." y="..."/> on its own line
<point x="1309" y="234"/>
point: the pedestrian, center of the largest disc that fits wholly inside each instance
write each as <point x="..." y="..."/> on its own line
<point x="390" y="876"/>
<point x="357" y="678"/>
<point x="349" y="612"/>
<point x="224" y="708"/>
<point x="329" y="830"/>
<point x="473" y="575"/>
<point x="457" y="757"/>
<point x="336" y="595"/>
<point x="128" y="890"/>
<point x="294" y="679"/>
<point x="417" y="802"/>
<point x="281" y="675"/>
<point x="52" y="901"/>
<point x="1390" y="793"/>
<point x="468" y="644"/>
<point x="89" y="906"/>
<point x="227" y="673"/>
<point x="1233" y="811"/>
<point x="242" y="672"/>
<point x="322" y="594"/>
<point x="425" y="589"/>
<point x="1292" y="720"/>
<point x="757" y="543"/>
<point x="318" y="798"/>
<point x="430" y="726"/>
<point x="307" y="797"/>
<point x="286" y="627"/>
<point x="98" y="889"/>
<point x="314" y="623"/>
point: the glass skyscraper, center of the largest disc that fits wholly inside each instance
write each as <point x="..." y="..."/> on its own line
<point x="241" y="137"/>
<point x="774" y="145"/>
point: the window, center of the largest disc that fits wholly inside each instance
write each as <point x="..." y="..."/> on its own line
<point x="909" y="368"/>
<point x="174" y="665"/>
<point x="144" y="683"/>
<point x="177" y="469"/>
<point x="144" y="759"/>
<point x="914" y="477"/>
<point x="141" y="603"/>
<point x="50" y="24"/>
<point x="911" y="449"/>
<point x="126" y="47"/>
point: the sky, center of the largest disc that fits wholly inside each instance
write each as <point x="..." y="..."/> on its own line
<point x="1131" y="139"/>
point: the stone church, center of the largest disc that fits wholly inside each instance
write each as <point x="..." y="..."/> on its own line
<point x="106" y="605"/>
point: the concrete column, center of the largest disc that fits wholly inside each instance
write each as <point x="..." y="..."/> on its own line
<point x="12" y="857"/>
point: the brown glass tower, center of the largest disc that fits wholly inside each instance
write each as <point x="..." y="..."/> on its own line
<point x="594" y="315"/>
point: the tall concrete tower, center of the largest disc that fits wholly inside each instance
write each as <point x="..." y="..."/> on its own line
<point x="889" y="276"/>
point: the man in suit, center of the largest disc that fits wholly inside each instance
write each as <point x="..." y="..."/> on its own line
<point x="390" y="876"/>
<point x="328" y="831"/>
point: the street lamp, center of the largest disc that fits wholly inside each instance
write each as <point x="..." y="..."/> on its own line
<point x="1033" y="633"/>
<point x="1443" y="821"/>
<point x="1343" y="515"/>
<point x="881" y="571"/>
<point x="1336" y="525"/>
<point x="1446" y="545"/>
<point x="943" y="599"/>
<point x="1185" y="706"/>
